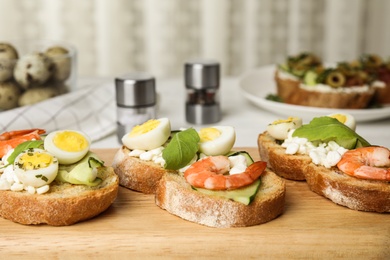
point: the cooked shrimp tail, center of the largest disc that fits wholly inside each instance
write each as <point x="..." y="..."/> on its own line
<point x="9" y="140"/>
<point x="370" y="163"/>
<point x="212" y="173"/>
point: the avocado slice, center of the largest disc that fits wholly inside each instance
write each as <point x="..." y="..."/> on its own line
<point x="243" y="195"/>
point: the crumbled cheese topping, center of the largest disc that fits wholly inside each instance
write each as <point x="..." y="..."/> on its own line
<point x="154" y="155"/>
<point x="325" y="154"/>
<point x="286" y="76"/>
<point x="328" y="89"/>
<point x="9" y="181"/>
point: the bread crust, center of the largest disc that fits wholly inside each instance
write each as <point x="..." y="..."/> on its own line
<point x="176" y="196"/>
<point x="64" y="204"/>
<point x="136" y="174"/>
<point x="291" y="167"/>
<point x="285" y="87"/>
<point x="342" y="189"/>
<point x="382" y="94"/>
<point x="291" y="93"/>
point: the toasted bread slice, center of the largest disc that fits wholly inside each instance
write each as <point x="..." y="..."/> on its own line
<point x="136" y="174"/>
<point x="175" y="195"/>
<point x="64" y="204"/>
<point x="291" y="93"/>
<point x="351" y="192"/>
<point x="291" y="167"/>
<point x="382" y="95"/>
<point x="285" y="87"/>
<point x="342" y="189"/>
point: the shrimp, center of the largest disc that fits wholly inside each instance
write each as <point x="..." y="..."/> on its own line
<point x="371" y="163"/>
<point x="209" y="173"/>
<point x="9" y="140"/>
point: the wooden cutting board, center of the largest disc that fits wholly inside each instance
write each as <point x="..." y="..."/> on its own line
<point x="310" y="227"/>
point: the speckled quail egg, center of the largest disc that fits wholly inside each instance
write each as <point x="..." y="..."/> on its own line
<point x="216" y="140"/>
<point x="33" y="69"/>
<point x="38" y="94"/>
<point x="35" y="167"/>
<point x="62" y="62"/>
<point x="9" y="95"/>
<point x="8" y="58"/>
<point x="346" y="119"/>
<point x="68" y="146"/>
<point x="149" y="135"/>
<point x="280" y="128"/>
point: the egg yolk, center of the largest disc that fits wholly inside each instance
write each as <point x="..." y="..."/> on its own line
<point x="279" y="121"/>
<point x="208" y="134"/>
<point x="34" y="160"/>
<point x="340" y="117"/>
<point x="70" y="141"/>
<point x="144" y="128"/>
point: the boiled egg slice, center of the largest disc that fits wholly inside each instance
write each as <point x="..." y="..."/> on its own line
<point x="346" y="119"/>
<point x="216" y="140"/>
<point x="35" y="167"/>
<point x="280" y="128"/>
<point x="149" y="135"/>
<point x="69" y="146"/>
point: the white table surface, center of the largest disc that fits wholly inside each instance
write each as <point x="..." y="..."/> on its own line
<point x="247" y="119"/>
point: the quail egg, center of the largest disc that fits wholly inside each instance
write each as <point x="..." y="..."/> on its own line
<point x="149" y="135"/>
<point x="33" y="69"/>
<point x="62" y="62"/>
<point x="69" y="146"/>
<point x="346" y="119"/>
<point x="8" y="58"/>
<point x="280" y="128"/>
<point x="35" y="167"/>
<point x="216" y="140"/>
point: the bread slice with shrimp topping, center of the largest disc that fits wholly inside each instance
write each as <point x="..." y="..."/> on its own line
<point x="328" y="180"/>
<point x="65" y="204"/>
<point x="56" y="181"/>
<point x="178" y="197"/>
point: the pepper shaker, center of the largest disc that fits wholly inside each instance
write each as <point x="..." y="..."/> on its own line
<point x="202" y="90"/>
<point x="135" y="99"/>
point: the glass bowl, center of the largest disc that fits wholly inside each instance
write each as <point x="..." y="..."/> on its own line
<point x="35" y="70"/>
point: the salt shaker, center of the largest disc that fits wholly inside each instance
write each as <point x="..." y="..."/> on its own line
<point x="135" y="99"/>
<point x="202" y="90"/>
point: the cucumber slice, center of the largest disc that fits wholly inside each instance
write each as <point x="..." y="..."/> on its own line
<point x="243" y="195"/>
<point x="310" y="78"/>
<point x="248" y="158"/>
<point x="83" y="172"/>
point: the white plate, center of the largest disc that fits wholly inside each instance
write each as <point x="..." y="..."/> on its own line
<point x="257" y="84"/>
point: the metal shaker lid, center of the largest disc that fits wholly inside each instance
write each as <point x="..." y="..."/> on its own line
<point x="201" y="74"/>
<point x="135" y="89"/>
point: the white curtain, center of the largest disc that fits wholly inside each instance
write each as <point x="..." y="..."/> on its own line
<point x="117" y="36"/>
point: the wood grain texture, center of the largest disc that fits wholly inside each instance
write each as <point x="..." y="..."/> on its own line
<point x="311" y="227"/>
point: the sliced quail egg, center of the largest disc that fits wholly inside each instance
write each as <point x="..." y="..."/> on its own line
<point x="35" y="167"/>
<point x="346" y="119"/>
<point x="149" y="135"/>
<point x="69" y="146"/>
<point x="216" y="140"/>
<point x="280" y="128"/>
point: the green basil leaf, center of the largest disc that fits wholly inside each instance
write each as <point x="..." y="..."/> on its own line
<point x="181" y="149"/>
<point x="22" y="147"/>
<point x="326" y="129"/>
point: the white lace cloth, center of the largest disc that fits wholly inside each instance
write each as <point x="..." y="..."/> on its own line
<point x="90" y="109"/>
